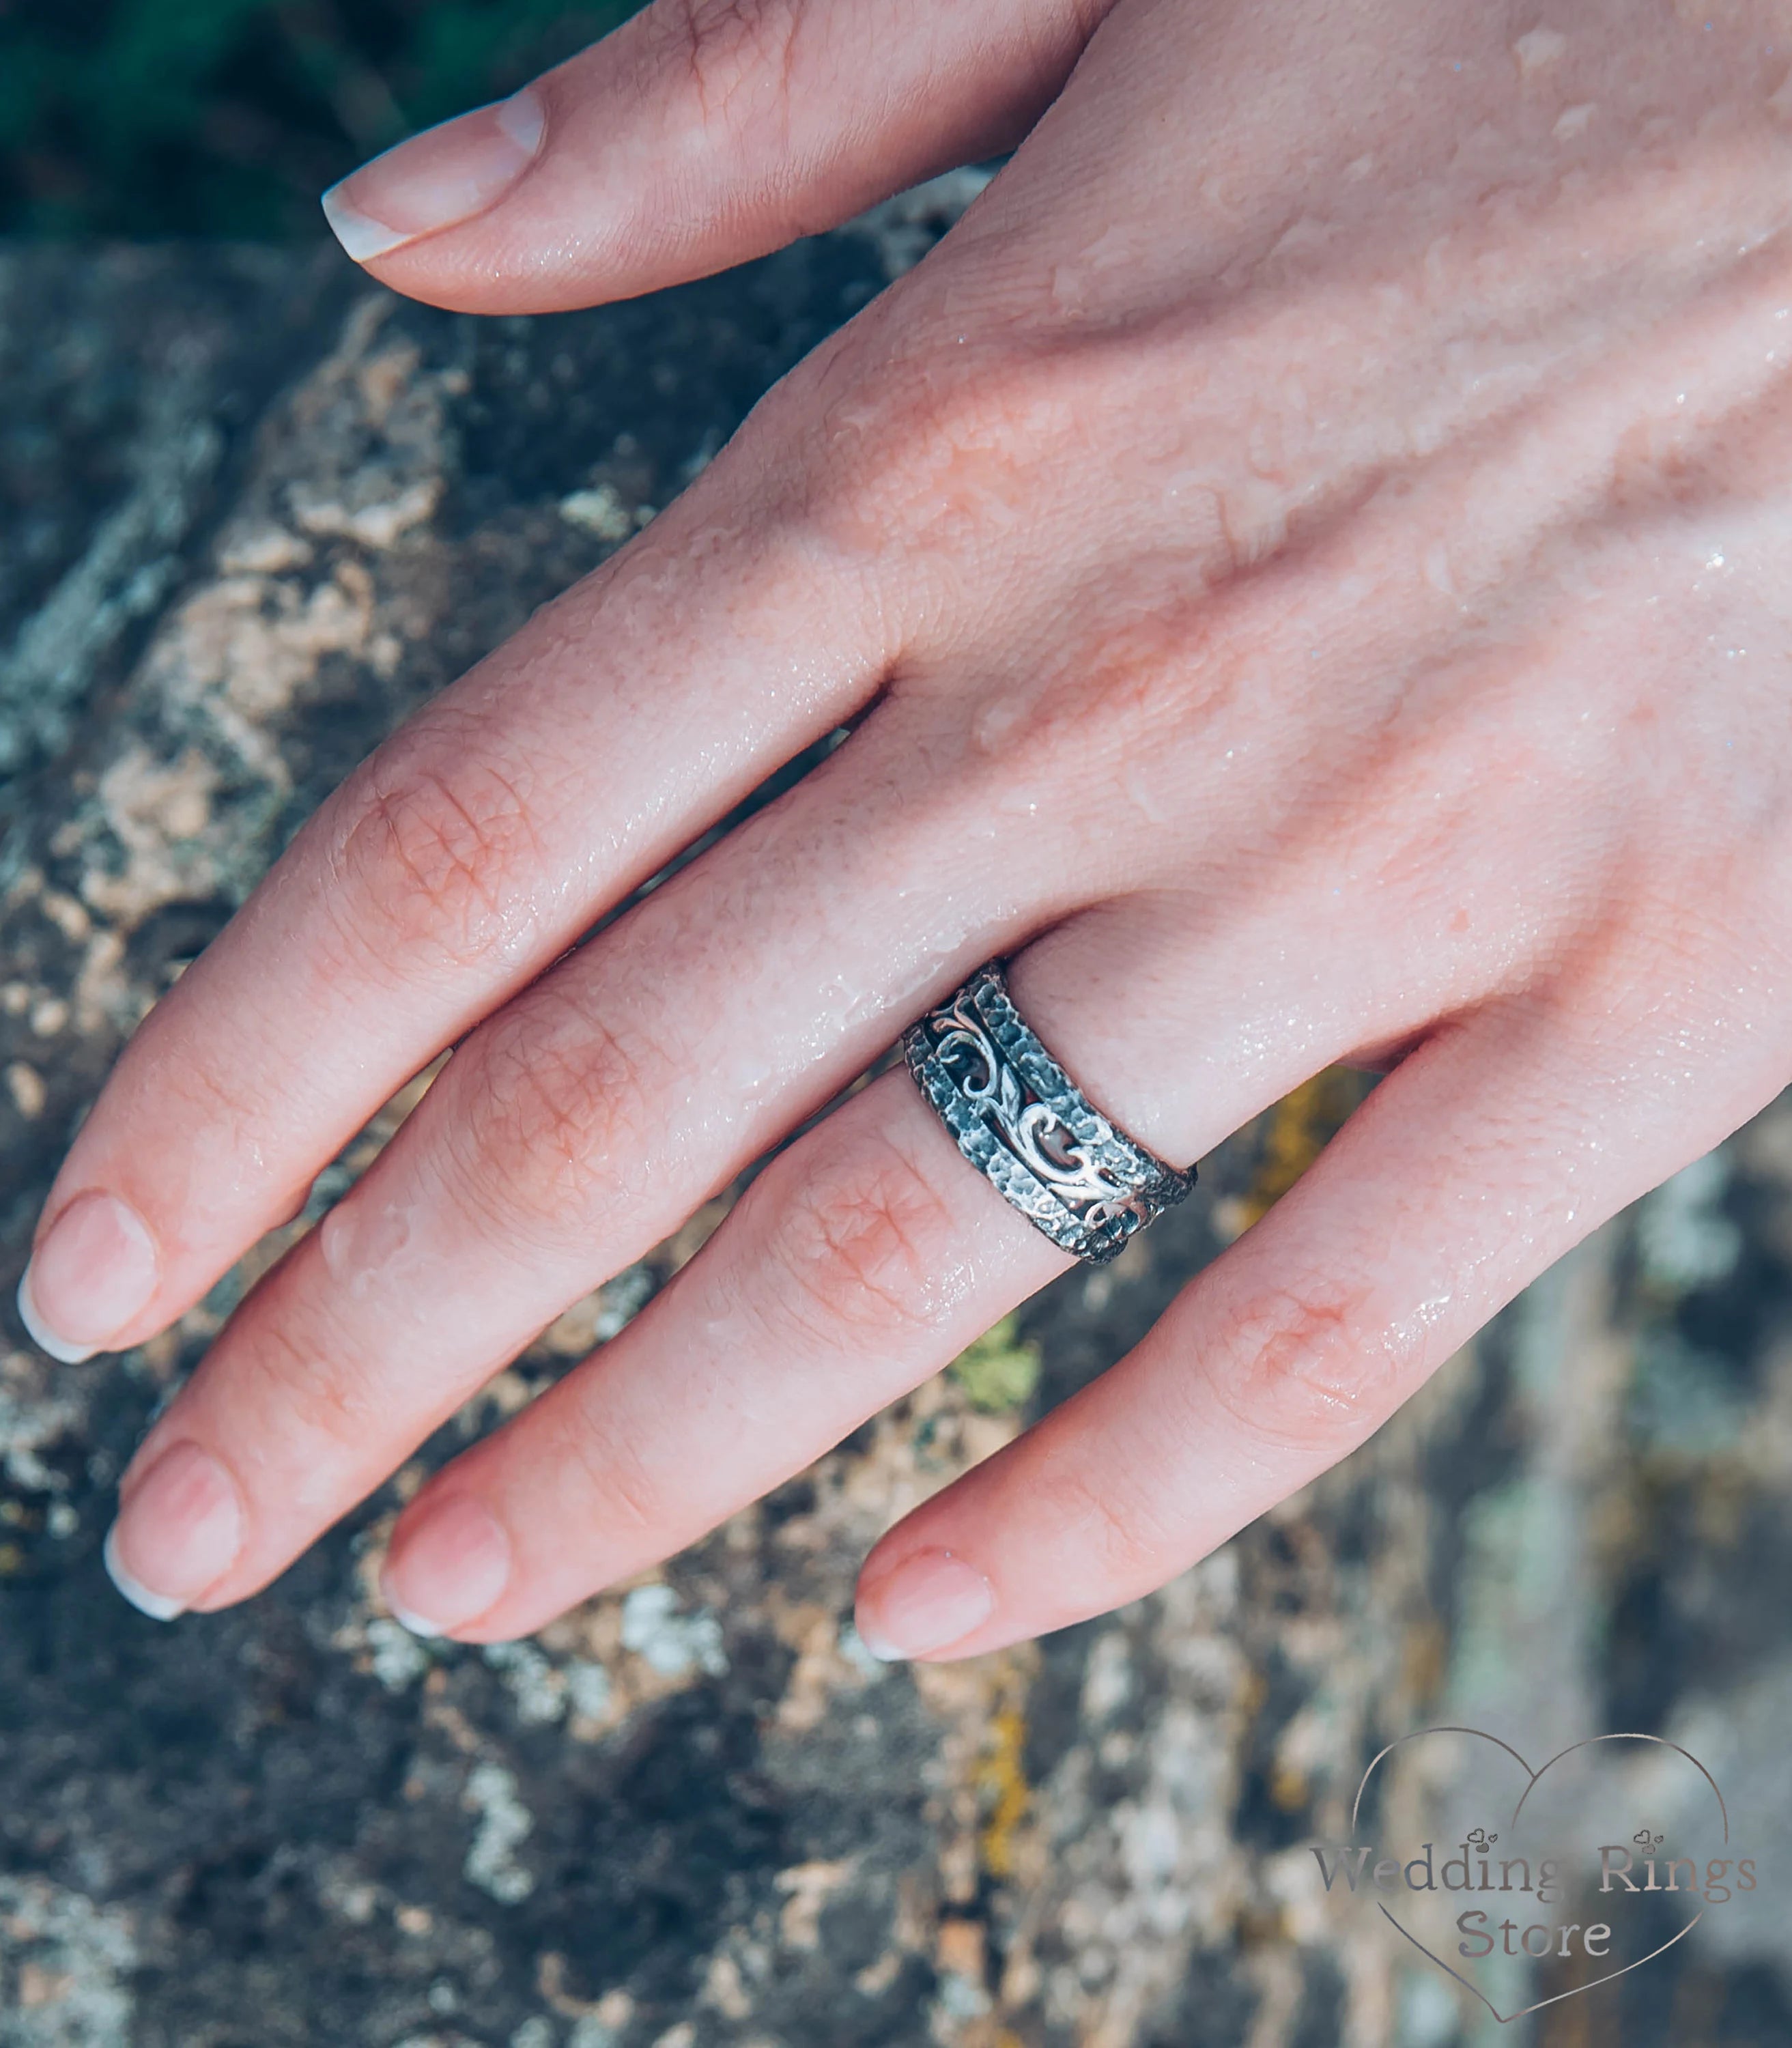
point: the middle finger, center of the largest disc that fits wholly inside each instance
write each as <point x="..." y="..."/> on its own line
<point x="568" y="1135"/>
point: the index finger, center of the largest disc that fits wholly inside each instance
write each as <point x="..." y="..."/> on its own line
<point x="462" y="858"/>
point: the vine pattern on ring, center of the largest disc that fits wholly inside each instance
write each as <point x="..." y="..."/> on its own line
<point x="1077" y="1181"/>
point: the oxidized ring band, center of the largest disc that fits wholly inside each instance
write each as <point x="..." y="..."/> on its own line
<point x="1026" y="1127"/>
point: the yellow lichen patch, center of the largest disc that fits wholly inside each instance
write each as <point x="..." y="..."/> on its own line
<point x="1289" y="1789"/>
<point x="1295" y="1132"/>
<point x="999" y="1370"/>
<point x="1424" y="1658"/>
<point x="967" y="1699"/>
<point x="1007" y="1797"/>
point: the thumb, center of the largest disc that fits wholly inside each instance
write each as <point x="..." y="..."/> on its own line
<point x="701" y="133"/>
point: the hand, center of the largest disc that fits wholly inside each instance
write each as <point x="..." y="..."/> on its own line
<point x="1309" y="558"/>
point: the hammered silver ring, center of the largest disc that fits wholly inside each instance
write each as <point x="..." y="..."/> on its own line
<point x="1029" y="1130"/>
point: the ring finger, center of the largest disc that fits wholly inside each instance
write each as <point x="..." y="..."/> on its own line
<point x="862" y="1260"/>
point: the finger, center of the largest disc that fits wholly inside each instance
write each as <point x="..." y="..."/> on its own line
<point x="700" y="134"/>
<point x="863" y="1260"/>
<point x="587" y="1119"/>
<point x="859" y="1261"/>
<point x="563" y="1139"/>
<point x="575" y="1130"/>
<point x="1480" y="1161"/>
<point x="466" y="854"/>
<point x="592" y="1115"/>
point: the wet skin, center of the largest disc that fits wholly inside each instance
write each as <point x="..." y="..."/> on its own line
<point x="1309" y="557"/>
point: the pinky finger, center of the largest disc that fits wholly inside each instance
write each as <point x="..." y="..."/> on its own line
<point x="1489" y="1153"/>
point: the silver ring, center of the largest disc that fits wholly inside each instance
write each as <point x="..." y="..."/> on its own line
<point x="1029" y="1130"/>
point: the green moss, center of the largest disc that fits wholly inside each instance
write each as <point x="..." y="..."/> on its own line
<point x="1000" y="1371"/>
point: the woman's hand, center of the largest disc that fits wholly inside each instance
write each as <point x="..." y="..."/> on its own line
<point x="1310" y="557"/>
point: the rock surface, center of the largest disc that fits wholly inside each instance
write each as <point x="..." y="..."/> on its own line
<point x="254" y="514"/>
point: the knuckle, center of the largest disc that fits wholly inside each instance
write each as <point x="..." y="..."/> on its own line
<point x="615" y="1476"/>
<point x="733" y="51"/>
<point x="319" y="1390"/>
<point x="1311" y="1364"/>
<point x="1117" y="1537"/>
<point x="852" y="1240"/>
<point x="199" y="1092"/>
<point x="433" y="864"/>
<point x="899" y="441"/>
<point x="548" y="1097"/>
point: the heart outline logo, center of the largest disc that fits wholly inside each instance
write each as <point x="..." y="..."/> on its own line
<point x="1532" y="1779"/>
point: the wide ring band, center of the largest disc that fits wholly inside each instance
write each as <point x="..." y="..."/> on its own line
<point x="1029" y="1130"/>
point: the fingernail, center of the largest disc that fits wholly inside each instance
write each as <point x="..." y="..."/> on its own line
<point x="447" y="174"/>
<point x="177" y="1535"/>
<point x="448" y="1567"/>
<point x="931" y="1600"/>
<point x="92" y="1273"/>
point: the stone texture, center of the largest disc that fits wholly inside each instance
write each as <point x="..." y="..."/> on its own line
<point x="254" y="513"/>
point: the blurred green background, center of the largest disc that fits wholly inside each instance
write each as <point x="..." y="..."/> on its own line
<point x="229" y="116"/>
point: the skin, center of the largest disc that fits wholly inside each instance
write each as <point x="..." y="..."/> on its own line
<point x="1310" y="555"/>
